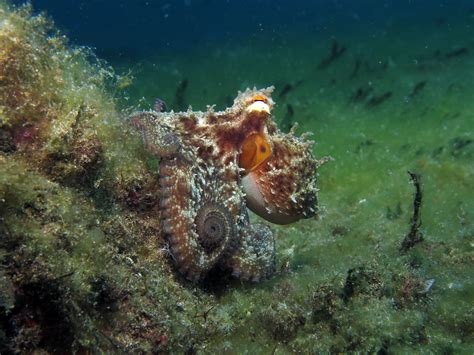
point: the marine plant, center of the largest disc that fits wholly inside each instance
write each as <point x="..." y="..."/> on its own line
<point x="75" y="201"/>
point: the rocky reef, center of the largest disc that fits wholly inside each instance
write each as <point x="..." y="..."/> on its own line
<point x="81" y="264"/>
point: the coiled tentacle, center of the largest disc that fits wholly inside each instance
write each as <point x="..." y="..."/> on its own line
<point x="196" y="218"/>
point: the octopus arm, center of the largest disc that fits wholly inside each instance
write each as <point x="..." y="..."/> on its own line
<point x="198" y="220"/>
<point x="158" y="136"/>
<point x="255" y="260"/>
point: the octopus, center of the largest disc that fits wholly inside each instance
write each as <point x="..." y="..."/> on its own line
<point x="213" y="167"/>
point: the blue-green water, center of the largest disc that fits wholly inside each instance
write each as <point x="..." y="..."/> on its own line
<point x="123" y="28"/>
<point x="396" y="97"/>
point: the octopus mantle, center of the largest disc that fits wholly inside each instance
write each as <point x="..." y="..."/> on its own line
<point x="212" y="166"/>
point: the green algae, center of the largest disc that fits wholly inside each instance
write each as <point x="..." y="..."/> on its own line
<point x="79" y="251"/>
<point x="82" y="267"/>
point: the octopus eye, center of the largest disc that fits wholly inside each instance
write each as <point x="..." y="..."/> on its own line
<point x="255" y="151"/>
<point x="214" y="226"/>
<point x="259" y="104"/>
<point x="262" y="98"/>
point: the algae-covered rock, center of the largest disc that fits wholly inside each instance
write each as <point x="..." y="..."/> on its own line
<point x="81" y="265"/>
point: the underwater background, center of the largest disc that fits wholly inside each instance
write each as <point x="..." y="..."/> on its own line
<point x="386" y="88"/>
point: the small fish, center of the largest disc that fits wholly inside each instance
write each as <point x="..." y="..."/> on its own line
<point x="160" y="105"/>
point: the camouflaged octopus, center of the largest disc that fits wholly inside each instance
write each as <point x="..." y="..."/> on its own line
<point x="212" y="166"/>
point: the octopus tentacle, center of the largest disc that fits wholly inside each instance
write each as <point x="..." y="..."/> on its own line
<point x="255" y="260"/>
<point x="158" y="138"/>
<point x="194" y="218"/>
<point x="216" y="230"/>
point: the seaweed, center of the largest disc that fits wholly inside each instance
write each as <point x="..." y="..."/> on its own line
<point x="6" y="142"/>
<point x="356" y="69"/>
<point x="458" y="146"/>
<point x="360" y="95"/>
<point x="395" y="213"/>
<point x="287" y="88"/>
<point x="40" y="305"/>
<point x="410" y="290"/>
<point x="180" y="95"/>
<point x="360" y="147"/>
<point x="378" y="100"/>
<point x="287" y="121"/>
<point x="437" y="151"/>
<point x="451" y="115"/>
<point x="76" y="204"/>
<point x="339" y="231"/>
<point x="7" y="304"/>
<point x="282" y="319"/>
<point x="325" y="303"/>
<point x="455" y="53"/>
<point x="336" y="53"/>
<point x="361" y="280"/>
<point x="440" y="56"/>
<point x="417" y="89"/>
<point x="414" y="236"/>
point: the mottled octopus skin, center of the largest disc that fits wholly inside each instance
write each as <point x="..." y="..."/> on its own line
<point x="205" y="193"/>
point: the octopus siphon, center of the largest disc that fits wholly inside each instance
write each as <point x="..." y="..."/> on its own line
<point x="215" y="165"/>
